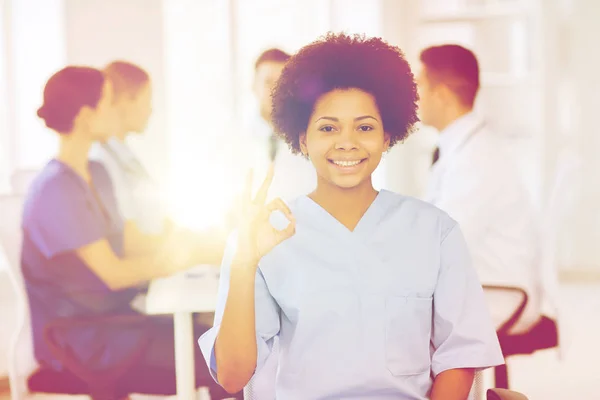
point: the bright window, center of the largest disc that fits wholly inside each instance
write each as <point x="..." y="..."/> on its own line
<point x="211" y="48"/>
<point x="38" y="41"/>
<point x="199" y="111"/>
<point x="32" y="47"/>
<point x="5" y="137"/>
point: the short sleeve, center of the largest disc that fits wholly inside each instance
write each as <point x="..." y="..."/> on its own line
<point x="62" y="217"/>
<point x="463" y="335"/>
<point x="267" y="315"/>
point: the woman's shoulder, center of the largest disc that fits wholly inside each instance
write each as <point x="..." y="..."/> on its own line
<point x="414" y="204"/>
<point x="54" y="176"/>
<point x="419" y="212"/>
<point x="50" y="188"/>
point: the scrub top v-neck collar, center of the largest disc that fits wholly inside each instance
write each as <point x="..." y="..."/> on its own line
<point x="366" y="225"/>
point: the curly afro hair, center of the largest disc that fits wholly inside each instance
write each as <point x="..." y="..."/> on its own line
<point x="340" y="61"/>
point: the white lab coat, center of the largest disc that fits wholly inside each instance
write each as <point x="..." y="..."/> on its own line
<point x="476" y="182"/>
<point x="139" y="197"/>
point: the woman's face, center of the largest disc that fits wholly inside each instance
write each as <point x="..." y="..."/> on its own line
<point x="345" y="138"/>
<point x="101" y="121"/>
<point x="141" y="109"/>
<point x="265" y="78"/>
<point x="134" y="112"/>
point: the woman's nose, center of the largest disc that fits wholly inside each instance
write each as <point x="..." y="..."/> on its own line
<point x="346" y="140"/>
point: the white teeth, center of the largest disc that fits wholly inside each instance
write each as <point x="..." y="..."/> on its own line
<point x="347" y="163"/>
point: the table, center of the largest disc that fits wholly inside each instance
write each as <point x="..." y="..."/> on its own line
<point x="193" y="291"/>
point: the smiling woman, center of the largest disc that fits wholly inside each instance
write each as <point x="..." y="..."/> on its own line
<point x="379" y="276"/>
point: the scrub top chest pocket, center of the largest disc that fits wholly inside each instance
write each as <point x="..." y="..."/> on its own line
<point x="405" y="275"/>
<point x="408" y="322"/>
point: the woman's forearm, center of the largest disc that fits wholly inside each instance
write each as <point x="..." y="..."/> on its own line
<point x="138" y="243"/>
<point x="209" y="246"/>
<point x="453" y="384"/>
<point x="235" y="346"/>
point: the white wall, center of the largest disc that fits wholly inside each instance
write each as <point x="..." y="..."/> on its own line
<point x="5" y="138"/>
<point x="38" y="51"/>
<point x="583" y="65"/>
<point x="32" y="49"/>
<point x="406" y="164"/>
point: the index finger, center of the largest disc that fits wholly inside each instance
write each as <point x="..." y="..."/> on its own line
<point x="261" y="195"/>
<point x="247" y="193"/>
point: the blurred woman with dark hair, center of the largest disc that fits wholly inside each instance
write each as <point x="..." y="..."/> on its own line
<point x="79" y="258"/>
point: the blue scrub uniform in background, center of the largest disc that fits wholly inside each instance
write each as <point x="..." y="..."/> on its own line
<point x="62" y="213"/>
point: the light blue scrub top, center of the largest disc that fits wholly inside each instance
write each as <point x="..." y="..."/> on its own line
<point x="375" y="313"/>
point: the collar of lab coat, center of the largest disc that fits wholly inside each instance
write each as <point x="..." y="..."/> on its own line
<point x="455" y="134"/>
<point x="121" y="150"/>
<point x="126" y="159"/>
<point x="262" y="129"/>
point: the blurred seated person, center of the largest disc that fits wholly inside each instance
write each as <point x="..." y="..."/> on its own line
<point x="141" y="200"/>
<point x="139" y="197"/>
<point x="474" y="180"/>
<point x="79" y="257"/>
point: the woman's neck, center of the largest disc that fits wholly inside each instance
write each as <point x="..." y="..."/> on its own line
<point x="120" y="136"/>
<point x="73" y="151"/>
<point x="346" y="205"/>
<point x="452" y="114"/>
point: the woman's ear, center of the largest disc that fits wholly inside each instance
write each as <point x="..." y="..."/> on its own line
<point x="386" y="141"/>
<point x="303" y="147"/>
<point x="82" y="118"/>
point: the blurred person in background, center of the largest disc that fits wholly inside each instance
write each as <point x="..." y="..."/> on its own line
<point x="139" y="196"/>
<point x="141" y="200"/>
<point x="294" y="175"/>
<point x="474" y="179"/>
<point x="80" y="258"/>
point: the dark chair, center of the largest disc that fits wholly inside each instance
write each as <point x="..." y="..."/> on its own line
<point x="503" y="394"/>
<point x="115" y="383"/>
<point x="77" y="378"/>
<point x="542" y="335"/>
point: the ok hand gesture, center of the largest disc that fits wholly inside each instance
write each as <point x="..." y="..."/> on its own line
<point x="256" y="235"/>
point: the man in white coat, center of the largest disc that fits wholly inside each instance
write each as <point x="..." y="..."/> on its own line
<point x="294" y="174"/>
<point x="475" y="181"/>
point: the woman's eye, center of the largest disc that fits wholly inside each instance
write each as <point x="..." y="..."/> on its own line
<point x="326" y="128"/>
<point x="365" y="128"/>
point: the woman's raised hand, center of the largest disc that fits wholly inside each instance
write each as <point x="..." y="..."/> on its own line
<point x="256" y="235"/>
